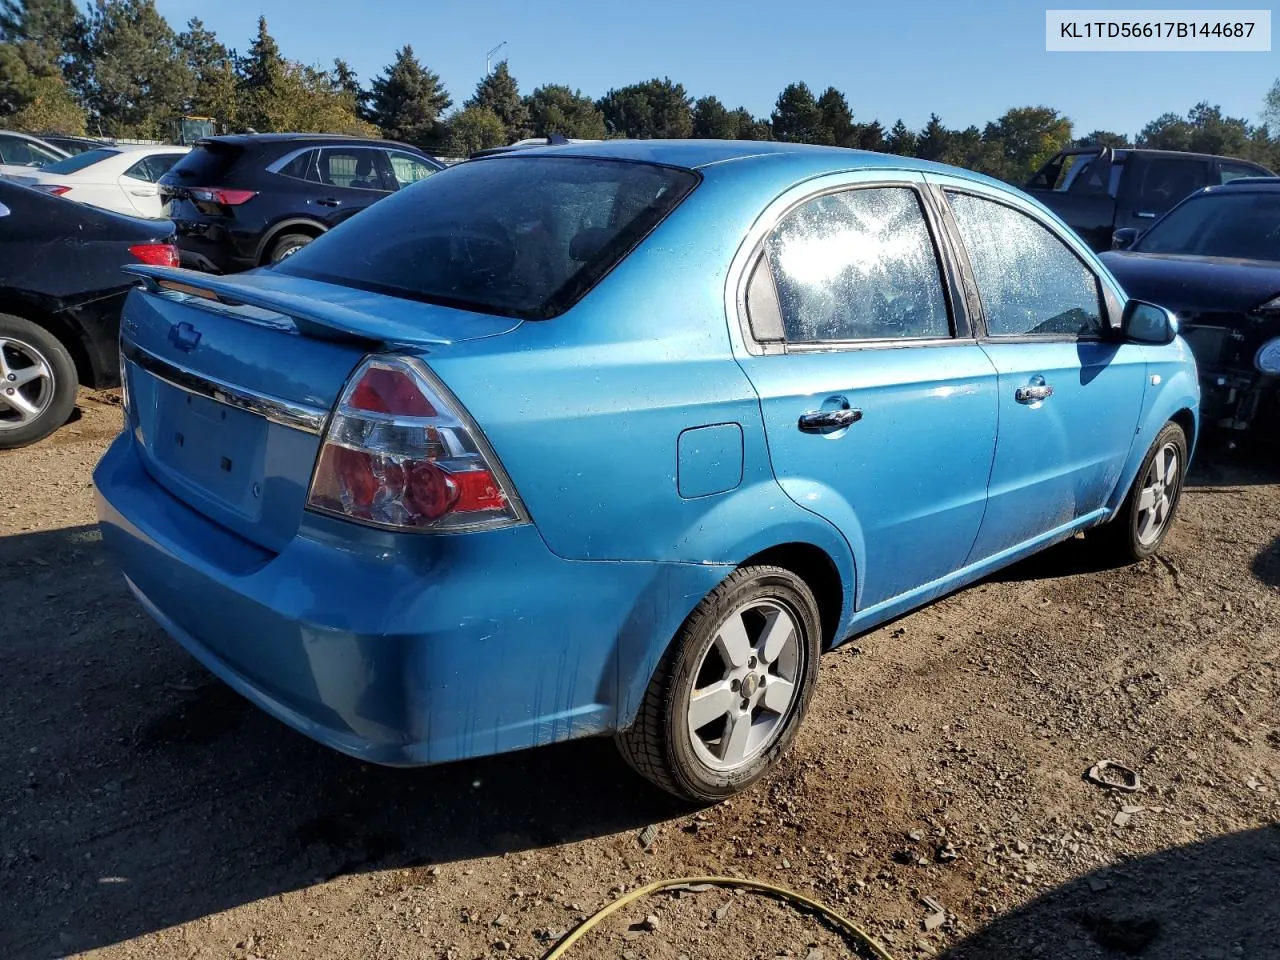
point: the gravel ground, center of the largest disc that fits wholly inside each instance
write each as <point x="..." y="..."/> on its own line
<point x="146" y="811"/>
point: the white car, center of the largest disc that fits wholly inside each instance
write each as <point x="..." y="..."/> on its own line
<point x="121" y="178"/>
<point x="21" y="154"/>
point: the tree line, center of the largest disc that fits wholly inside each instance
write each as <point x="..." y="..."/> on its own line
<point x="120" y="70"/>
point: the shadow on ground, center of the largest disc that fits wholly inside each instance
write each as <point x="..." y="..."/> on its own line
<point x="1215" y="900"/>
<point x="137" y="791"/>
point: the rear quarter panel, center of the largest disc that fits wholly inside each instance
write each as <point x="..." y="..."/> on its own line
<point x="586" y="410"/>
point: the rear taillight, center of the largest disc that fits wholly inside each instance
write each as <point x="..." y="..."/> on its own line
<point x="400" y="452"/>
<point x="156" y="254"/>
<point x="53" y="189"/>
<point x="226" y="197"/>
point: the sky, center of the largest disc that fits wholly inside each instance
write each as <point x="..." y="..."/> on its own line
<point x="968" y="62"/>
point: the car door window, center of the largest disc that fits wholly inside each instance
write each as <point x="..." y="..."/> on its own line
<point x="1234" y="171"/>
<point x="301" y="167"/>
<point x="20" y="152"/>
<point x="858" y="265"/>
<point x="141" y="171"/>
<point x="352" y="168"/>
<point x="1167" y="180"/>
<point x="161" y="163"/>
<point x="1030" y="282"/>
<point x="407" y="169"/>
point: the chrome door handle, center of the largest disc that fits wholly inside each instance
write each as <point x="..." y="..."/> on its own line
<point x="1033" y="394"/>
<point x="1145" y="216"/>
<point x="820" y="421"/>
<point x="329" y="202"/>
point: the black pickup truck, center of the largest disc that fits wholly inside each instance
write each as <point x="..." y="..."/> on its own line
<point x="1098" y="190"/>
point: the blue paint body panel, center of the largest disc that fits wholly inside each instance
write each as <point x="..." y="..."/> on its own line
<point x="654" y="448"/>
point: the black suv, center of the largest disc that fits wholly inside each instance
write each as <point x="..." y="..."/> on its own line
<point x="242" y="201"/>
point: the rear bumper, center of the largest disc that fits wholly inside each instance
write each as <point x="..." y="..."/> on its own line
<point x="210" y="247"/>
<point x="397" y="649"/>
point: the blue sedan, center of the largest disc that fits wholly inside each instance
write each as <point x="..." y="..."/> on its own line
<point x="618" y="438"/>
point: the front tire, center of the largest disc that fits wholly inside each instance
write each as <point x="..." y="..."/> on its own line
<point x="37" y="382"/>
<point x="1143" y="521"/>
<point x="731" y="692"/>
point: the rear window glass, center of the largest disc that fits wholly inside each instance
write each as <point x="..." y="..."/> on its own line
<point x="1243" y="226"/>
<point x="206" y="165"/>
<point x="524" y="237"/>
<point x="78" y="162"/>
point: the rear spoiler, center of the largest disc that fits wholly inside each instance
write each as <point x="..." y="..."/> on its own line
<point x="310" y="316"/>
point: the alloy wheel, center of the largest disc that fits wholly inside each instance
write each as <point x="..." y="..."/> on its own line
<point x="1158" y="494"/>
<point x="745" y="686"/>
<point x="26" y="383"/>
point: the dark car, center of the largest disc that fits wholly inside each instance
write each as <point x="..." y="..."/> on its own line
<point x="1215" y="261"/>
<point x="243" y="201"/>
<point x="72" y="145"/>
<point x="61" y="289"/>
<point x="1098" y="190"/>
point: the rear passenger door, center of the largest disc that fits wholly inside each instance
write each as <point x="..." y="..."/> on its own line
<point x="879" y="405"/>
<point x="350" y="179"/>
<point x="1070" y="390"/>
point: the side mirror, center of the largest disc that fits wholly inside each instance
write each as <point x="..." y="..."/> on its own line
<point x="1144" y="322"/>
<point x="1124" y="238"/>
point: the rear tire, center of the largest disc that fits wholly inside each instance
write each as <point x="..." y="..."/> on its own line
<point x="730" y="694"/>
<point x="288" y="245"/>
<point x="38" y="382"/>
<point x="1143" y="521"/>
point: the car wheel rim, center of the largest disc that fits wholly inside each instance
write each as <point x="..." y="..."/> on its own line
<point x="1158" y="494"/>
<point x="745" y="686"/>
<point x="26" y="384"/>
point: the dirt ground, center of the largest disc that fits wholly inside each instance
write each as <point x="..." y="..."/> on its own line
<point x="147" y="811"/>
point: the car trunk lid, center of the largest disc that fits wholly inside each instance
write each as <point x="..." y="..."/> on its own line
<point x="231" y="381"/>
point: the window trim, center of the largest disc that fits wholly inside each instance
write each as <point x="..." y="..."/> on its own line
<point x="1109" y="310"/>
<point x="962" y="331"/>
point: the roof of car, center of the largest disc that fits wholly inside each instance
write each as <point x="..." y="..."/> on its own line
<point x="1246" y="184"/>
<point x="247" y="138"/>
<point x="700" y="154"/>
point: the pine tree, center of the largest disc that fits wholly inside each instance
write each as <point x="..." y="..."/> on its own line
<point x="139" y="80"/>
<point x="213" y="73"/>
<point x="500" y="93"/>
<point x="655" y="109"/>
<point x="901" y="141"/>
<point x="407" y="100"/>
<point x="796" y="118"/>
<point x="571" y="113"/>
<point x="712" y="120"/>
<point x="934" y="140"/>
<point x="837" y="118"/>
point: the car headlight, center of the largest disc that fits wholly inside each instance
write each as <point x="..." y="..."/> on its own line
<point x="1268" y="358"/>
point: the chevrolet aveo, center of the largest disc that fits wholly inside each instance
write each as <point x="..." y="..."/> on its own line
<point x="618" y="438"/>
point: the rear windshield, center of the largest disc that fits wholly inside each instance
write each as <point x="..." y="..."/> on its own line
<point x="204" y="166"/>
<point x="78" y="162"/>
<point x="1237" y="225"/>
<point x="516" y="236"/>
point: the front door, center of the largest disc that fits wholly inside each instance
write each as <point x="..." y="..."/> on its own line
<point x="1070" y="393"/>
<point x="879" y="408"/>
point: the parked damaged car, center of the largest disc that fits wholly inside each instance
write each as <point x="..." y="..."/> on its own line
<point x="617" y="438"/>
<point x="1215" y="261"/>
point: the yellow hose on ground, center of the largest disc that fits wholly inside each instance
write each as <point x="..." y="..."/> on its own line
<point x="844" y="923"/>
